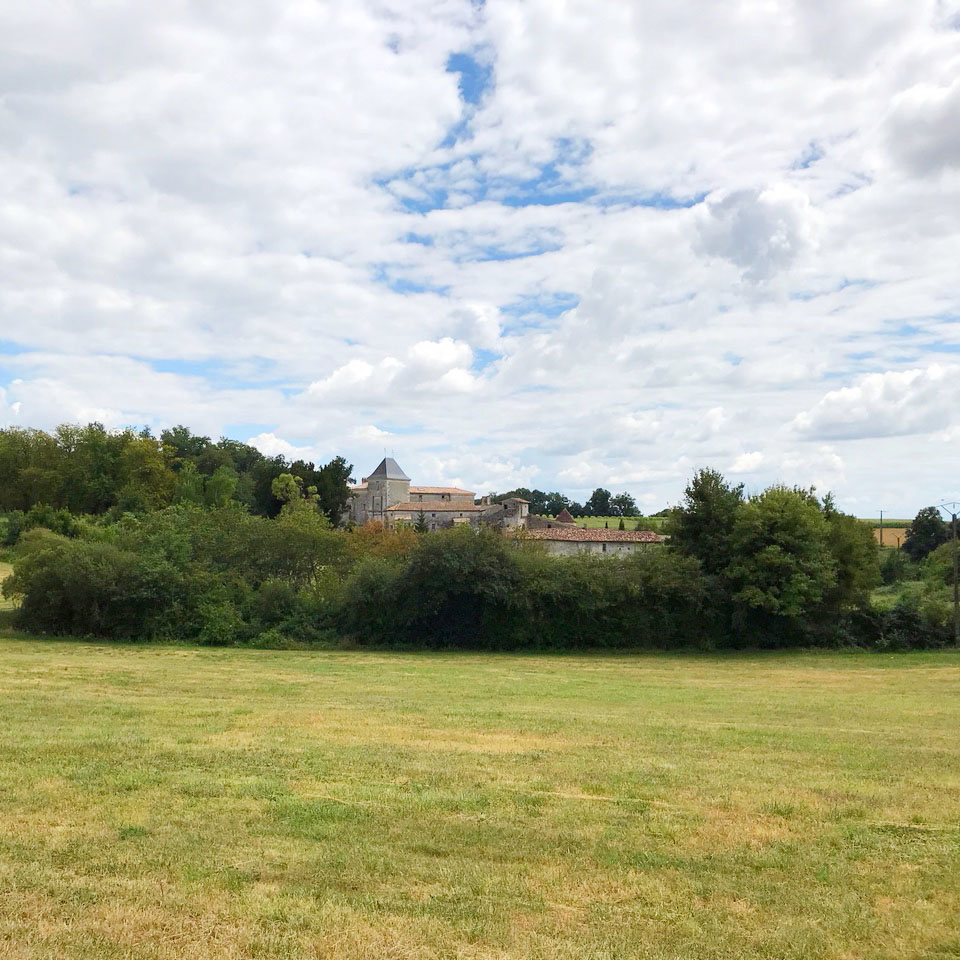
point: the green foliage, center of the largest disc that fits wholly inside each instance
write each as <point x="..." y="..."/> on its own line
<point x="781" y="568"/>
<point x="599" y="505"/>
<point x="703" y="525"/>
<point x="857" y="557"/>
<point x="778" y="569"/>
<point x="14" y="524"/>
<point x="92" y="470"/>
<point x="925" y="534"/>
<point x="781" y="562"/>
<point x="937" y="568"/>
<point x="469" y="589"/>
<point x="623" y="505"/>
<point x="895" y="566"/>
<point x="286" y="488"/>
<point x="166" y="574"/>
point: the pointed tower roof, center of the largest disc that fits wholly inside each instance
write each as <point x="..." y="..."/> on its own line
<point x="564" y="516"/>
<point x="390" y="469"/>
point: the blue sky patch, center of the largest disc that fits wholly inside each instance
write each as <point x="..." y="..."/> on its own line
<point x="483" y="358"/>
<point x="545" y="304"/>
<point x="387" y="275"/>
<point x="810" y="155"/>
<point x="475" y="77"/>
<point x="658" y="200"/>
<point x="402" y="429"/>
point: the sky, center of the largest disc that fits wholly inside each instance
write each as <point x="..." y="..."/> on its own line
<point x="550" y="243"/>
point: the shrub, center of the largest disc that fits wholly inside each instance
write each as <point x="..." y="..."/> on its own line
<point x="91" y="589"/>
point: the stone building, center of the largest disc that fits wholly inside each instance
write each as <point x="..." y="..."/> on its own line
<point x="564" y="540"/>
<point x="387" y="495"/>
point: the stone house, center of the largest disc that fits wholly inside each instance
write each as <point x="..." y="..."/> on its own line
<point x="389" y="496"/>
<point x="563" y="540"/>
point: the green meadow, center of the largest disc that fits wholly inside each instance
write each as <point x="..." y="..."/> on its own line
<point x="629" y="523"/>
<point x="171" y="802"/>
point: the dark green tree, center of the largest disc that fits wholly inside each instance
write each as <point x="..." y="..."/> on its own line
<point x="781" y="564"/>
<point x="333" y="488"/>
<point x="856" y="555"/>
<point x="925" y="534"/>
<point x="599" y="503"/>
<point x="702" y="526"/>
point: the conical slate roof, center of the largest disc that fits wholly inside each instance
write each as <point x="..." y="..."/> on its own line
<point x="390" y="469"/>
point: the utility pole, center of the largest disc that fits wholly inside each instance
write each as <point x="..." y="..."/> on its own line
<point x="881" y="528"/>
<point x="951" y="508"/>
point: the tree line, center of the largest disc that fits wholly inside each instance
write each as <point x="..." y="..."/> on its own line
<point x="90" y="470"/>
<point x="781" y="568"/>
<point x="600" y="503"/>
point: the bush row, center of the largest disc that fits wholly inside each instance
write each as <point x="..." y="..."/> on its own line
<point x="223" y="576"/>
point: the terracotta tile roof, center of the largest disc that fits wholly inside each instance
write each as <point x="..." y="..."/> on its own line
<point x="458" y="490"/>
<point x="594" y="536"/>
<point x="359" y="487"/>
<point x="564" y="516"/>
<point x="436" y="506"/>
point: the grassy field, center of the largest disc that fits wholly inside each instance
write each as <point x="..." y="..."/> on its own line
<point x="5" y="605"/>
<point x="647" y="523"/>
<point x="196" y="803"/>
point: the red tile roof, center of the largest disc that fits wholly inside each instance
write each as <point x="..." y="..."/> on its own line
<point x="457" y="490"/>
<point x="594" y="536"/>
<point x="436" y="506"/>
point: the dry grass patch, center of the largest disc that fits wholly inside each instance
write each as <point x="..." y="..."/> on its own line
<point x="162" y="803"/>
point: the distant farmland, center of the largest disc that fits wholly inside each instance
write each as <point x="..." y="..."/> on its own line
<point x="629" y="523"/>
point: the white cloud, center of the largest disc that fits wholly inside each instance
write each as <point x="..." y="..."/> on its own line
<point x="762" y="232"/>
<point x="429" y="366"/>
<point x="747" y="462"/>
<point x="895" y="403"/>
<point x="273" y="446"/>
<point x="822" y="468"/>
<point x="644" y="250"/>
<point x="370" y="434"/>
<point x="924" y="127"/>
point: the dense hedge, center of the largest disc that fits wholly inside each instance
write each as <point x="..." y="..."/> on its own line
<point x="224" y="576"/>
<point x="478" y="590"/>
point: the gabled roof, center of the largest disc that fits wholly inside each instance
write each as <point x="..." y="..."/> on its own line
<point x="390" y="469"/>
<point x="437" y="506"/>
<point x="581" y="535"/>
<point x="457" y="490"/>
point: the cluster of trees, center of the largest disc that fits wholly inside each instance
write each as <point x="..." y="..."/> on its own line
<point x="601" y="503"/>
<point x="927" y="532"/>
<point x="782" y="568"/>
<point x="781" y="559"/>
<point x="89" y="470"/>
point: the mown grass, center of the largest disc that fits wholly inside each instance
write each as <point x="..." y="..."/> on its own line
<point x="6" y="606"/>
<point x="629" y="523"/>
<point x="197" y="803"/>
